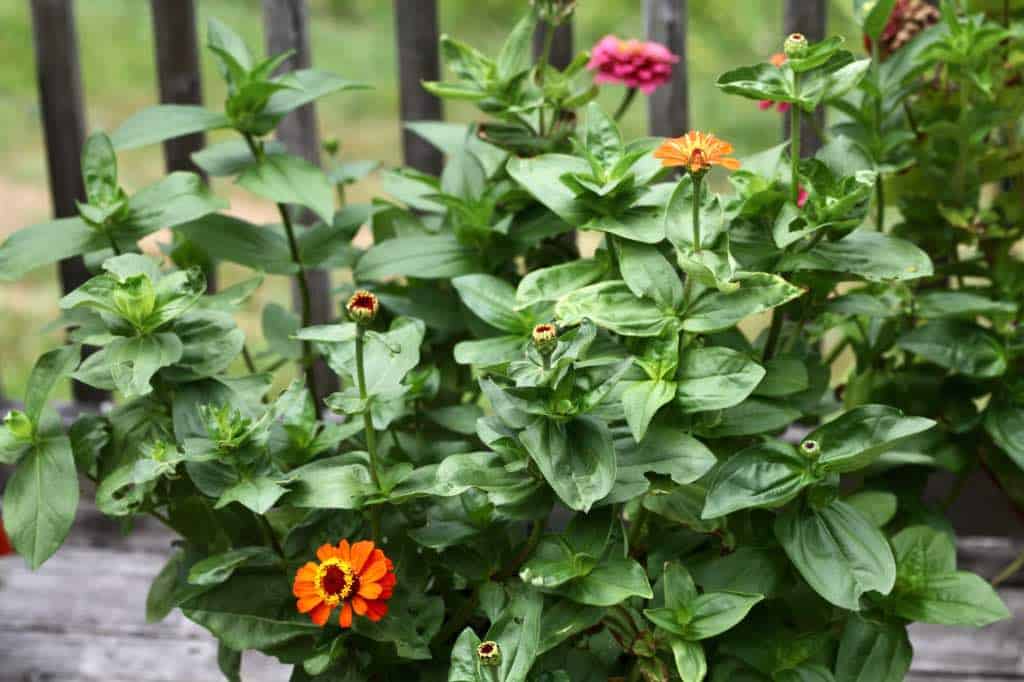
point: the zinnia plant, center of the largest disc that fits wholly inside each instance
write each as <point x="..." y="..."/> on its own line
<point x="655" y="462"/>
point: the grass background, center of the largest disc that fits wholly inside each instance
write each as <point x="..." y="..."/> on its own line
<point x="354" y="38"/>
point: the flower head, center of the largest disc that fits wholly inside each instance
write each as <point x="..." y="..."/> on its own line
<point x="489" y="653"/>
<point x="801" y="196"/>
<point x="810" y="448"/>
<point x="363" y="306"/>
<point x="359" y="578"/>
<point x="545" y="337"/>
<point x="633" y="63"/>
<point x="795" y="46"/>
<point x="696" y="151"/>
<point x="5" y="544"/>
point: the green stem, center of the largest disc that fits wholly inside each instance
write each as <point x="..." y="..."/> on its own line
<point x="542" y="65"/>
<point x="636" y="528"/>
<point x="834" y="353"/>
<point x="304" y="293"/>
<point x="512" y="568"/>
<point x="371" y="434"/>
<point x="774" y="332"/>
<point x="635" y="672"/>
<point x="794" y="141"/>
<point x="698" y="179"/>
<point x="624" y="105"/>
<point x="458" y="621"/>
<point x="880" y="202"/>
<point x="879" y="184"/>
<point x="1008" y="572"/>
<point x="113" y="244"/>
<point x="247" y="356"/>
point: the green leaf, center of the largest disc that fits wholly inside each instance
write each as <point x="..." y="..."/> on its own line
<point x="49" y="369"/>
<point x="691" y="664"/>
<point x="178" y="198"/>
<point x="877" y="506"/>
<point x="253" y="611"/>
<point x="552" y="283"/>
<point x="936" y="304"/>
<point x="237" y="241"/>
<point x="332" y="483"/>
<point x="305" y="86"/>
<point x="961" y="346"/>
<point x="715" y="378"/>
<point x="514" y="56"/>
<point x="873" y="16"/>
<point x="1005" y="424"/>
<point x="751" y="417"/>
<point x="256" y="493"/>
<point x="44" y="243"/>
<point x="761" y="82"/>
<point x="857" y="438"/>
<point x="541" y="177"/>
<point x="784" y="375"/>
<point x="517" y="632"/>
<point x="493" y="301"/>
<point x="611" y="582"/>
<point x="641" y="401"/>
<point x="288" y="179"/>
<point x="648" y="274"/>
<point x="765" y="475"/>
<point x="99" y="171"/>
<point x="128" y="364"/>
<point x="230" y="663"/>
<point x="681" y="504"/>
<point x="716" y="310"/>
<point x="465" y="664"/>
<point x="805" y="672"/>
<point x="160" y="600"/>
<point x="496" y="350"/>
<point x="838" y="552"/>
<point x="871" y="651"/>
<point x="165" y="122"/>
<point x="433" y="257"/>
<point x="678" y="217"/>
<point x="576" y="457"/>
<point x="218" y="568"/>
<point x="41" y="499"/>
<point x="666" y="449"/>
<point x="873" y="256"/>
<point x="713" y="613"/>
<point x="613" y="306"/>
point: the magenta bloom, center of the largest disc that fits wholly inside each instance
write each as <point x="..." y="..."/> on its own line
<point x="801" y="197"/>
<point x="636" y="64"/>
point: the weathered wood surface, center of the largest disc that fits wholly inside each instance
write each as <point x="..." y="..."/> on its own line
<point x="809" y="17"/>
<point x="80" y="618"/>
<point x="416" y="39"/>
<point x="668" y="108"/>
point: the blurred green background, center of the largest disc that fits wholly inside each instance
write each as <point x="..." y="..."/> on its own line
<point x="354" y="38"/>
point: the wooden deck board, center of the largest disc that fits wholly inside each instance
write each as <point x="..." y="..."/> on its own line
<point x="80" y="618"/>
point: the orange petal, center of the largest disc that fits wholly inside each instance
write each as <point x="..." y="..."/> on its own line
<point x="359" y="604"/>
<point x="345" y="619"/>
<point x="373" y="572"/>
<point x="326" y="552"/>
<point x="360" y="553"/>
<point x="320" y="614"/>
<point x="370" y="590"/>
<point x="307" y="604"/>
<point x="376" y="610"/>
<point x="731" y="164"/>
<point x="343" y="551"/>
<point x="304" y="590"/>
<point x="307" y="572"/>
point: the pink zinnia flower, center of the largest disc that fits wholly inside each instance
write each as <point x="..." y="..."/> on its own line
<point x="777" y="60"/>
<point x="801" y="197"/>
<point x="633" y="63"/>
<point x="5" y="544"/>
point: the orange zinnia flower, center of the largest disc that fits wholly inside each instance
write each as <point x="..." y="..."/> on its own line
<point x="696" y="151"/>
<point x="359" y="578"/>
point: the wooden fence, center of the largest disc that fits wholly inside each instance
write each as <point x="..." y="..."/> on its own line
<point x="286" y="23"/>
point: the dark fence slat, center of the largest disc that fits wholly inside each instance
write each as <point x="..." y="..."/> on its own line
<point x="61" y="107"/>
<point x="810" y="18"/>
<point x="416" y="37"/>
<point x="180" y="81"/>
<point x="668" y="108"/>
<point x="562" y="48"/>
<point x="286" y="27"/>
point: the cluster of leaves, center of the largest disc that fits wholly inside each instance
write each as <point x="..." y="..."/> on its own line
<point x="660" y="491"/>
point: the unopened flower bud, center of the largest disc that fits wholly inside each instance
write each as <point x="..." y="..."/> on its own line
<point x="489" y="653"/>
<point x="363" y="307"/>
<point x="795" y="46"/>
<point x="810" y="448"/>
<point x="545" y="338"/>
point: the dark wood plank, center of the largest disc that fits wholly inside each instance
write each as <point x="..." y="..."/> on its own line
<point x="668" y="109"/>
<point x="562" y="48"/>
<point x="179" y="78"/>
<point x="60" y="103"/>
<point x="810" y="18"/>
<point x="286" y="27"/>
<point x="416" y="37"/>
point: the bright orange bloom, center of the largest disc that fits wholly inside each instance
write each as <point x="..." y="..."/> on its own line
<point x="696" y="151"/>
<point x="358" y="578"/>
<point x="778" y="59"/>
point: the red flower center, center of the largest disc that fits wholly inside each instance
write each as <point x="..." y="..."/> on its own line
<point x="335" y="582"/>
<point x="697" y="159"/>
<point x="486" y="649"/>
<point x="363" y="301"/>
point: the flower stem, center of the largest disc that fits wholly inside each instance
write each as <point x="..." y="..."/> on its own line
<point x="624" y="105"/>
<point x="698" y="179"/>
<point x="303" y="282"/>
<point x="271" y="536"/>
<point x="879" y="183"/>
<point x="542" y="65"/>
<point x="371" y="434"/>
<point x="794" y="140"/>
<point x="1008" y="572"/>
